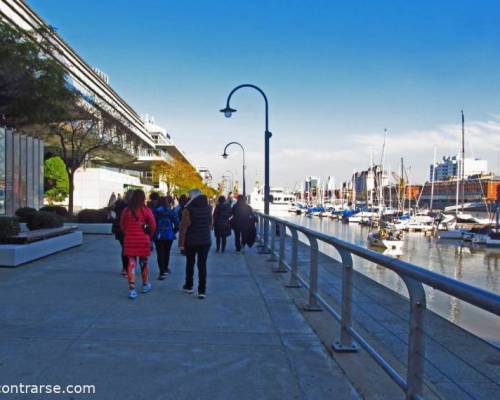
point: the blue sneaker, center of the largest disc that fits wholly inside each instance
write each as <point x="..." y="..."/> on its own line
<point x="147" y="288"/>
<point x="132" y="294"/>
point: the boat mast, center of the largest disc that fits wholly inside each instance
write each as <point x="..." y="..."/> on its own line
<point x="402" y="189"/>
<point x="462" y="161"/>
<point x="390" y="187"/>
<point x="381" y="180"/>
<point x="458" y="187"/>
<point x="433" y="178"/>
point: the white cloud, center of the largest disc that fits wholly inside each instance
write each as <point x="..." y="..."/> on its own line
<point x="341" y="155"/>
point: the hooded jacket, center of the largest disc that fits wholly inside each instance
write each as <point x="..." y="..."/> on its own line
<point x="196" y="223"/>
<point x="137" y="243"/>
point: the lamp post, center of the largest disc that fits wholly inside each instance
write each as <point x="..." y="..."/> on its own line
<point x="231" y="188"/>
<point x="228" y="111"/>
<point x="225" y="155"/>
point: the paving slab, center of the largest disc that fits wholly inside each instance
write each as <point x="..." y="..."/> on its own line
<point x="66" y="319"/>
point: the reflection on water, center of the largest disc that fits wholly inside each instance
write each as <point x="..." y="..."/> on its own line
<point x="477" y="266"/>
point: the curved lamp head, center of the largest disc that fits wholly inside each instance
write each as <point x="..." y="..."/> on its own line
<point x="228" y="111"/>
<point x="225" y="155"/>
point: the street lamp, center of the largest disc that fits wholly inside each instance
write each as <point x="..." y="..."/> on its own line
<point x="225" y="155"/>
<point x="228" y="111"/>
<point x="232" y="179"/>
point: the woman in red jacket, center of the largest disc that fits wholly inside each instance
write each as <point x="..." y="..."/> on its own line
<point x="138" y="226"/>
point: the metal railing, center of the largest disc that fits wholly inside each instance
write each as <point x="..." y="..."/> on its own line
<point x="413" y="276"/>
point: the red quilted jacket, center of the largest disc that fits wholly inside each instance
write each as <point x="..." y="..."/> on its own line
<point x="136" y="242"/>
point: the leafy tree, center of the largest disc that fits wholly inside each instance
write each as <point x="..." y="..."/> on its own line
<point x="79" y="139"/>
<point x="180" y="177"/>
<point x="56" y="179"/>
<point x="33" y="87"/>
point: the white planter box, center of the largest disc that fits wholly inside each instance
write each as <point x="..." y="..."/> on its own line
<point x="93" y="229"/>
<point x="12" y="255"/>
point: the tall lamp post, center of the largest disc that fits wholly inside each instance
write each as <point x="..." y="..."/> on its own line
<point x="228" y="111"/>
<point x="231" y="188"/>
<point x="225" y="155"/>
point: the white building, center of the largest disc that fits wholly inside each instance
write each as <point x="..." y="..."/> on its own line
<point x="449" y="167"/>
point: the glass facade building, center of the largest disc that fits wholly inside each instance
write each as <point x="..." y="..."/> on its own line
<point x="21" y="171"/>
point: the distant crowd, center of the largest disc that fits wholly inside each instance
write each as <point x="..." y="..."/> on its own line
<point x="138" y="224"/>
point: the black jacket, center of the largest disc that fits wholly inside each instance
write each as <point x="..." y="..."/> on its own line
<point x="242" y="216"/>
<point x="200" y="222"/>
<point x="222" y="214"/>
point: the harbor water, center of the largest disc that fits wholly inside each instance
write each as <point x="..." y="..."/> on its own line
<point x="477" y="266"/>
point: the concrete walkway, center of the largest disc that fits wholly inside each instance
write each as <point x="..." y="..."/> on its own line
<point x="66" y="319"/>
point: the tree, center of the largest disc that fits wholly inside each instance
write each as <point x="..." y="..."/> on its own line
<point x="79" y="139"/>
<point x="56" y="180"/>
<point x="33" y="88"/>
<point x="180" y="177"/>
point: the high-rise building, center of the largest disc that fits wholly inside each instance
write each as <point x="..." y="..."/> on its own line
<point x="449" y="167"/>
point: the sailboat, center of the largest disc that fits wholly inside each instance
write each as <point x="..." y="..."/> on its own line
<point x="384" y="237"/>
<point x="456" y="232"/>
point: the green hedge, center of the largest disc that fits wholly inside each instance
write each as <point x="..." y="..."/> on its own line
<point x="25" y="213"/>
<point x="9" y="226"/>
<point x="59" y="210"/>
<point x="91" y="216"/>
<point x="45" y="220"/>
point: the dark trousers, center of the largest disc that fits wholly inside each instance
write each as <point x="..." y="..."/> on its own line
<point x="124" y="258"/>
<point x="163" y="254"/>
<point x="238" y="239"/>
<point x="199" y="254"/>
<point x="221" y="242"/>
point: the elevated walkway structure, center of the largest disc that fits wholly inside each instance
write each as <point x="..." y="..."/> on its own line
<point x="141" y="142"/>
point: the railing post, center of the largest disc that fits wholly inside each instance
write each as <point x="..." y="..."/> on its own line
<point x="312" y="305"/>
<point x="272" y="255"/>
<point x="281" y="258"/>
<point x="294" y="282"/>
<point x="416" y="340"/>
<point x="346" y="344"/>
<point x="261" y="230"/>
<point x="263" y="248"/>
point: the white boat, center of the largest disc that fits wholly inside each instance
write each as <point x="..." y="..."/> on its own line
<point x="362" y="215"/>
<point x="281" y="200"/>
<point x="386" y="239"/>
<point x="418" y="223"/>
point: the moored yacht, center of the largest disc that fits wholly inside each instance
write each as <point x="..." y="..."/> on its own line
<point x="281" y="200"/>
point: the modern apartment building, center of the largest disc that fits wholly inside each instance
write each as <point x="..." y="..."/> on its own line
<point x="449" y="167"/>
<point x="142" y="141"/>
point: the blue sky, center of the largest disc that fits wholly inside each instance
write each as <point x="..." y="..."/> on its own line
<point x="336" y="75"/>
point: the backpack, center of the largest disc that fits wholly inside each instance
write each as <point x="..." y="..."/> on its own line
<point x="164" y="224"/>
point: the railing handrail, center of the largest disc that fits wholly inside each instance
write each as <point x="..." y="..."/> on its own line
<point x="474" y="295"/>
<point x="413" y="276"/>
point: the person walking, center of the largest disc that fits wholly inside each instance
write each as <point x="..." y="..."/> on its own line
<point x="222" y="226"/>
<point x="242" y="223"/>
<point x="138" y="226"/>
<point x="117" y="210"/>
<point x="167" y="224"/>
<point x="183" y="199"/>
<point x="195" y="239"/>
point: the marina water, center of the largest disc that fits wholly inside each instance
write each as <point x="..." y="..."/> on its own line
<point x="477" y="266"/>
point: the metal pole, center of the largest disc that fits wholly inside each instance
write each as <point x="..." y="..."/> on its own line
<point x="266" y="150"/>
<point x="312" y="305"/>
<point x="281" y="264"/>
<point x="294" y="282"/>
<point x="243" y="166"/>
<point x="416" y="343"/>
<point x="346" y="344"/>
<point x="272" y="255"/>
